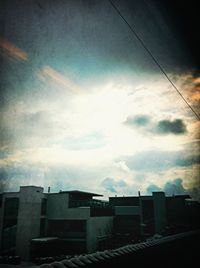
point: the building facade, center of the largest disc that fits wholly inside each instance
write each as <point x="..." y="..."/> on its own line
<point x="33" y="221"/>
<point x="36" y="224"/>
<point x="139" y="216"/>
<point x="20" y="215"/>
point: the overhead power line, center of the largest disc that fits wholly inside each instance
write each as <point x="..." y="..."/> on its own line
<point x="152" y="57"/>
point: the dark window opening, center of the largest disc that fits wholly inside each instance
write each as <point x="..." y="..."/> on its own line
<point x="44" y="206"/>
<point x="148" y="216"/>
<point x="67" y="228"/>
<point x="9" y="239"/>
<point x="10" y="212"/>
<point x="127" y="224"/>
<point x="124" y="201"/>
<point x="42" y="227"/>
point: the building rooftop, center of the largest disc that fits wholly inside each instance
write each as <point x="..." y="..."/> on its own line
<point x="184" y="196"/>
<point x="80" y="192"/>
<point x="44" y="239"/>
<point x="150" y="196"/>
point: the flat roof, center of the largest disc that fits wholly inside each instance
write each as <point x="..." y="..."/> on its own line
<point x="185" y="196"/>
<point x="128" y="196"/>
<point x="150" y="196"/>
<point x="80" y="192"/>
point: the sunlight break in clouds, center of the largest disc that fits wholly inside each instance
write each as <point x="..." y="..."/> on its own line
<point x="83" y="137"/>
<point x="90" y="110"/>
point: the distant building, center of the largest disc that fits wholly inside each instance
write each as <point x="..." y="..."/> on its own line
<point x="31" y="222"/>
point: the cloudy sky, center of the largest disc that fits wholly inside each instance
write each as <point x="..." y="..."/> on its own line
<point x="83" y="106"/>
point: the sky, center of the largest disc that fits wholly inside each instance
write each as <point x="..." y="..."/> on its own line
<point x="83" y="106"/>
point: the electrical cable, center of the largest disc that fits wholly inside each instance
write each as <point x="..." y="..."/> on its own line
<point x="153" y="58"/>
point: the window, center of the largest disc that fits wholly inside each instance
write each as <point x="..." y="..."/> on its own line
<point x="10" y="212"/>
<point x="42" y="227"/>
<point x="44" y="206"/>
<point x="67" y="228"/>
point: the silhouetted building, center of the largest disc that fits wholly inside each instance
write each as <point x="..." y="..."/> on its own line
<point x="137" y="217"/>
<point x="183" y="213"/>
<point x="33" y="222"/>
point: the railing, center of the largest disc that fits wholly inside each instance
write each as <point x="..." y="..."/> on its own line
<point x="94" y="203"/>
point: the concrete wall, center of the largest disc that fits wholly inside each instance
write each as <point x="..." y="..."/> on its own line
<point x="98" y="227"/>
<point x="28" y="226"/>
<point x="78" y="213"/>
<point x="57" y="208"/>
<point x="70" y="213"/>
<point x="159" y="202"/>
<point x="57" y="205"/>
<point x="127" y="210"/>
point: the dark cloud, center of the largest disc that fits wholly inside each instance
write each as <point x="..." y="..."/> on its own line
<point x="161" y="160"/>
<point x="153" y="188"/>
<point x="138" y="120"/>
<point x="176" y="127"/>
<point x="11" y="177"/>
<point x="109" y="184"/>
<point x="188" y="160"/>
<point x="162" y="127"/>
<point x="175" y="187"/>
<point x="112" y="185"/>
<point x="152" y="161"/>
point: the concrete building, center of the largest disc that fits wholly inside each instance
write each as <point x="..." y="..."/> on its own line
<point x="20" y="215"/>
<point x="143" y="216"/>
<point x="32" y="221"/>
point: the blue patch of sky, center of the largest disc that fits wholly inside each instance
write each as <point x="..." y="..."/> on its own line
<point x="91" y="141"/>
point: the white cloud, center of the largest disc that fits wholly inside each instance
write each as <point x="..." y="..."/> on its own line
<point x="85" y="132"/>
